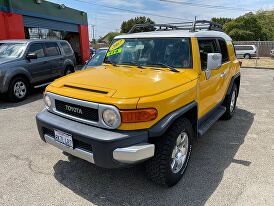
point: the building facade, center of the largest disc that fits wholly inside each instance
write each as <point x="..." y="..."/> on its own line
<point x="39" y="19"/>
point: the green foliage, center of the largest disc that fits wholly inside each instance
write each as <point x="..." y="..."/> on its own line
<point x="249" y="27"/>
<point x="127" y="25"/>
<point x="221" y="20"/>
<point x="111" y="35"/>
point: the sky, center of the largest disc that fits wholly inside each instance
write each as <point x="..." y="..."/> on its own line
<point x="107" y="15"/>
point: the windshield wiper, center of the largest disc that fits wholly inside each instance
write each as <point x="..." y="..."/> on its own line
<point x="167" y="66"/>
<point x="110" y="62"/>
<point x="134" y="64"/>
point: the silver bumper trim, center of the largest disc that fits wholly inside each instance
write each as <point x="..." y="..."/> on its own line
<point x="88" y="156"/>
<point x="134" y="153"/>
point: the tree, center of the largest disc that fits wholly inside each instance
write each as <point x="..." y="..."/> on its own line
<point x="127" y="25"/>
<point x="245" y="28"/>
<point x="109" y="37"/>
<point x="221" y="20"/>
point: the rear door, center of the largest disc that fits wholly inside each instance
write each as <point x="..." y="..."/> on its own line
<point x="38" y="68"/>
<point x="55" y="59"/>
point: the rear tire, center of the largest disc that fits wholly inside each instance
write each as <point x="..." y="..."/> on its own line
<point x="18" y="89"/>
<point x="172" y="153"/>
<point x="230" y="103"/>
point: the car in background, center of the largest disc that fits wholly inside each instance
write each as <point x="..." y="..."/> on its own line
<point x="272" y="53"/>
<point x="97" y="59"/>
<point x="245" y="51"/>
<point x="32" y="63"/>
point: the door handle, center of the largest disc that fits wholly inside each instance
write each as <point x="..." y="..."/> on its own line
<point x="222" y="75"/>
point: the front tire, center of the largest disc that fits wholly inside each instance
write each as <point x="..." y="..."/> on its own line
<point x="172" y="153"/>
<point x="68" y="70"/>
<point x="18" y="89"/>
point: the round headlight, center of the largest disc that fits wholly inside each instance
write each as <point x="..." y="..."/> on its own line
<point x="111" y="118"/>
<point x="47" y="101"/>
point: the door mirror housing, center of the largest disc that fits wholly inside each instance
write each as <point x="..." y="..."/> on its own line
<point x="31" y="56"/>
<point x="214" y="61"/>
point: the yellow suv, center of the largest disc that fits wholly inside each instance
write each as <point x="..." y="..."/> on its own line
<point x="154" y="94"/>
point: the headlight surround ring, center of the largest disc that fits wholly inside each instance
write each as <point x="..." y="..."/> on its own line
<point x="47" y="101"/>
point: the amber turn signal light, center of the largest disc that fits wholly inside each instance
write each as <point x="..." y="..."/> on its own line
<point x="138" y="115"/>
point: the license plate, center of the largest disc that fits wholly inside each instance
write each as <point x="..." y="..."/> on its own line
<point x="63" y="138"/>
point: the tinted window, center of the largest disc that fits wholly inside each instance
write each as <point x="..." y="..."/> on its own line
<point x="207" y="46"/>
<point x="98" y="58"/>
<point x="224" y="51"/>
<point x="244" y="48"/>
<point x="52" y="49"/>
<point x="67" y="48"/>
<point x="37" y="49"/>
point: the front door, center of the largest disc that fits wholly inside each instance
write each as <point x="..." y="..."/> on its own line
<point x="38" y="68"/>
<point x="209" y="84"/>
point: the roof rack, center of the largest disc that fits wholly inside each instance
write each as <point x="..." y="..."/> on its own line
<point x="192" y="26"/>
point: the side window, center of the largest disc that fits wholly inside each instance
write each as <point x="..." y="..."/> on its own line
<point x="37" y="49"/>
<point x="52" y="49"/>
<point x="224" y="50"/>
<point x="67" y="48"/>
<point x="206" y="46"/>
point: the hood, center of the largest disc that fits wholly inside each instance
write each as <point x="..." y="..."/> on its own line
<point x="124" y="82"/>
<point x="4" y="60"/>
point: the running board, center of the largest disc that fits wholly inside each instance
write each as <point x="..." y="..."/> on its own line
<point x="41" y="85"/>
<point x="214" y="117"/>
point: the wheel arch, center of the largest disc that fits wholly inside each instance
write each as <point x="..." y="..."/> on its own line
<point x="9" y="77"/>
<point x="190" y="111"/>
<point x="236" y="79"/>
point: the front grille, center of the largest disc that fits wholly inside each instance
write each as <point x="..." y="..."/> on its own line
<point x="77" y="111"/>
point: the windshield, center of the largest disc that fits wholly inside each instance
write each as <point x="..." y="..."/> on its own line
<point x="172" y="52"/>
<point x="98" y="58"/>
<point x="11" y="50"/>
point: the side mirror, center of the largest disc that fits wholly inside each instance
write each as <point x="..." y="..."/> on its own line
<point x="31" y="56"/>
<point x="214" y="61"/>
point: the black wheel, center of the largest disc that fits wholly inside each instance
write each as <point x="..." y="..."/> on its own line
<point x="18" y="89"/>
<point x="172" y="153"/>
<point x="247" y="56"/>
<point x="230" y="103"/>
<point x="68" y="70"/>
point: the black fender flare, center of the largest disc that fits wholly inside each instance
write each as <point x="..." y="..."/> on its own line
<point x="162" y="126"/>
<point x="232" y="81"/>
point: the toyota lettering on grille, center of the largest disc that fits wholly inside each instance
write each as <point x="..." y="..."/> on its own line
<point x="74" y="109"/>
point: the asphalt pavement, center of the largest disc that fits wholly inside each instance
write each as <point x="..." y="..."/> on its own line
<point x="232" y="164"/>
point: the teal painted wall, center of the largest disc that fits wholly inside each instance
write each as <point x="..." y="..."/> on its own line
<point x="44" y="10"/>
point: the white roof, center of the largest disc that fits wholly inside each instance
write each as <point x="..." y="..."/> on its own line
<point x="176" y="33"/>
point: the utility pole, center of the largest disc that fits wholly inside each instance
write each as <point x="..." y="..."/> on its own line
<point x="93" y="33"/>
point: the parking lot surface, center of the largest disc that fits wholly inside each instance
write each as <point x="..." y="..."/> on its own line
<point x="233" y="164"/>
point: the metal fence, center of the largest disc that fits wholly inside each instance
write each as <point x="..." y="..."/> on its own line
<point x="264" y="47"/>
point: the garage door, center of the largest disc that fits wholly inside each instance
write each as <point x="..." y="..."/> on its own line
<point x="35" y="22"/>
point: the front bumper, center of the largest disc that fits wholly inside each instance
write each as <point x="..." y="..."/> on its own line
<point x="102" y="147"/>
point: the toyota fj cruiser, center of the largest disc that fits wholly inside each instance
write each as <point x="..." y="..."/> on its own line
<point x="155" y="93"/>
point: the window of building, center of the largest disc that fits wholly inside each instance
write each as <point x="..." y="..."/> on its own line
<point x="40" y="33"/>
<point x="52" y="49"/>
<point x="37" y="49"/>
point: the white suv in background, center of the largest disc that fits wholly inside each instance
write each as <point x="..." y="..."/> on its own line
<point x="246" y="51"/>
